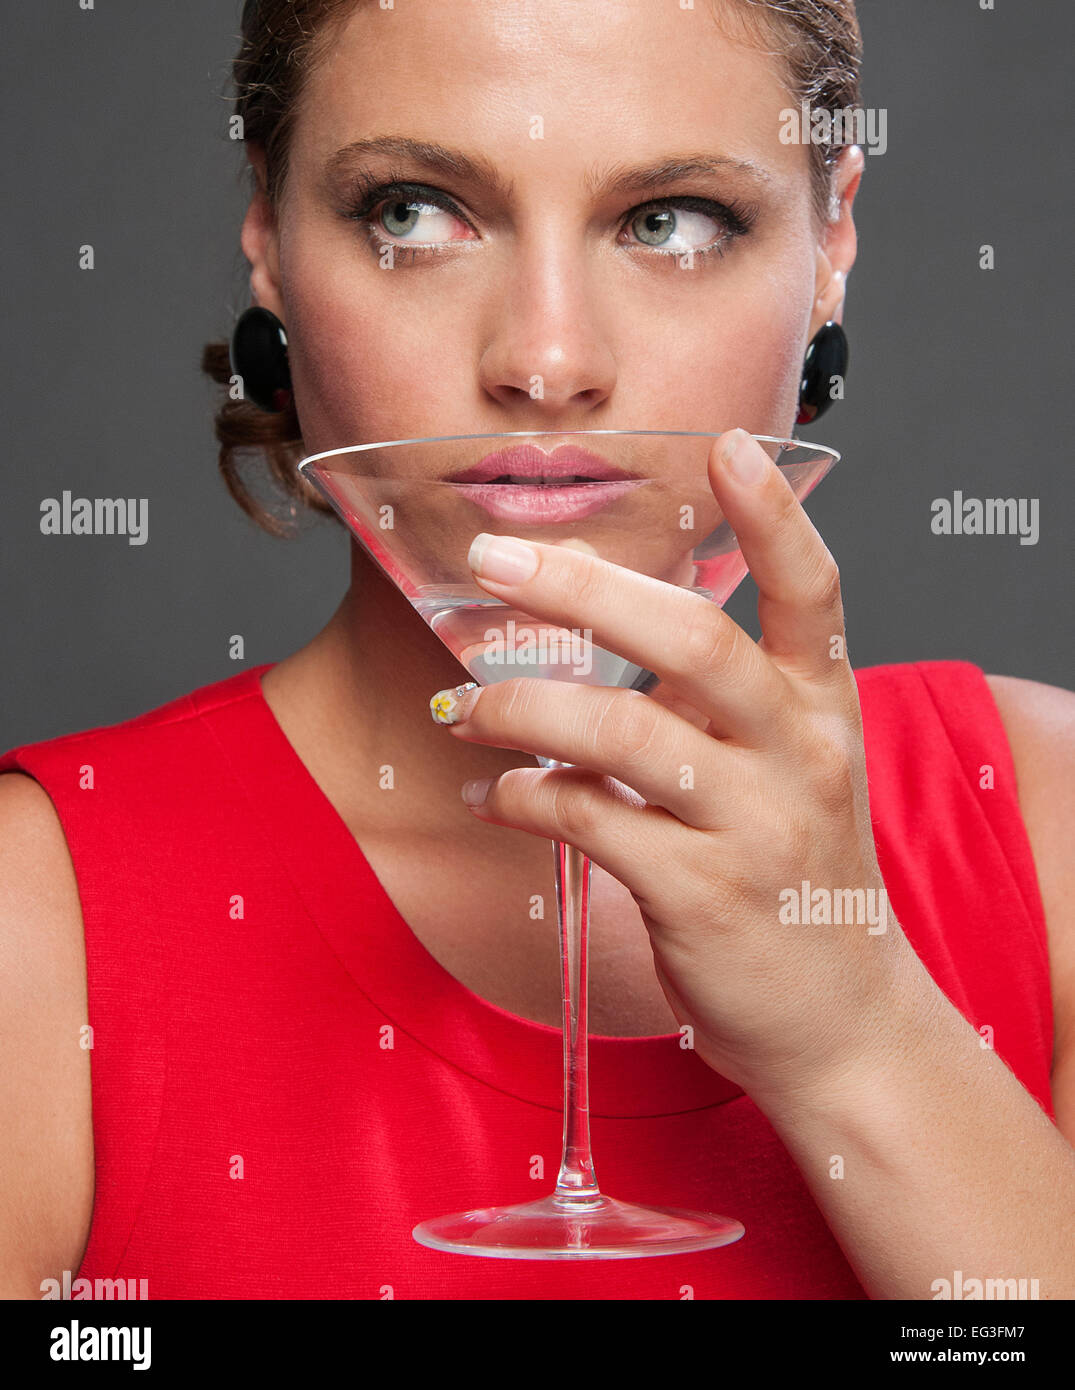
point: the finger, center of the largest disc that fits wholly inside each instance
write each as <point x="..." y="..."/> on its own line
<point x="799" y="604"/>
<point x="663" y="694"/>
<point x="681" y="636"/>
<point x="619" y="733"/>
<point x="601" y="817"/>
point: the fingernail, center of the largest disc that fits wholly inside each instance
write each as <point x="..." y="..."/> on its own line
<point x="502" y="558"/>
<point x="474" y="793"/>
<point x="452" y="706"/>
<point x="745" y="458"/>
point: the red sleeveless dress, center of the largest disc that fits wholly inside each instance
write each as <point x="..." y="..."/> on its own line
<point x="285" y="1081"/>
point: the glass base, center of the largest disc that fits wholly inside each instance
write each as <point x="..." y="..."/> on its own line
<point x="576" y="1228"/>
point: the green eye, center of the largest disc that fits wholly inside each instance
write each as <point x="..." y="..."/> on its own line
<point x="681" y="226"/>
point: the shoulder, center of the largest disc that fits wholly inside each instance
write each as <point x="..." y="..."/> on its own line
<point x="46" y="1136"/>
<point x="47" y="831"/>
<point x="1040" y="723"/>
<point x="1036" y="716"/>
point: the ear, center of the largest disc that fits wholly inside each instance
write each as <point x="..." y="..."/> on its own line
<point x="260" y="243"/>
<point x="838" y="243"/>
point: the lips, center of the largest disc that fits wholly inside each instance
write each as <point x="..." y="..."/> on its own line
<point x="526" y="486"/>
<point x="525" y="465"/>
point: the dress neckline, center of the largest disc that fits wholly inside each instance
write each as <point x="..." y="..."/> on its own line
<point x="386" y="961"/>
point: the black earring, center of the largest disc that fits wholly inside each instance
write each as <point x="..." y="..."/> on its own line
<point x="259" y="356"/>
<point x="826" y="357"/>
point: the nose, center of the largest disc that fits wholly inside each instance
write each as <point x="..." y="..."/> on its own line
<point x="547" y="350"/>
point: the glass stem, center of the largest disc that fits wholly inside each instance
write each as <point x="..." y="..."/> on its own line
<point x="577" y="1184"/>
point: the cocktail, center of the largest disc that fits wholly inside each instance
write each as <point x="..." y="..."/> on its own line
<point x="640" y="499"/>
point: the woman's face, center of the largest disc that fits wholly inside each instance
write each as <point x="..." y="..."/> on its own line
<point x="538" y="280"/>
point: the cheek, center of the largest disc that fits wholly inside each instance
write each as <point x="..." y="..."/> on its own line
<point x="768" y="370"/>
<point x="739" y="355"/>
<point x="360" y="367"/>
<point x="346" y="388"/>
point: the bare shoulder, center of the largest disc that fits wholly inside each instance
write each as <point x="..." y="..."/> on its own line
<point x="1040" y="723"/>
<point x="46" y="1132"/>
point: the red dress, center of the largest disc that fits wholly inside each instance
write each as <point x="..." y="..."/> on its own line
<point x="285" y="1081"/>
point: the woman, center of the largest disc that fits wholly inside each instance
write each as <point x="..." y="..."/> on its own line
<point x="297" y="980"/>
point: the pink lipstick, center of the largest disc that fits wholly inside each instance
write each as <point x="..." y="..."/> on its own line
<point x="525" y="484"/>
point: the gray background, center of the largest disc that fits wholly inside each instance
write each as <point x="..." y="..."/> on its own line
<point x="116" y="131"/>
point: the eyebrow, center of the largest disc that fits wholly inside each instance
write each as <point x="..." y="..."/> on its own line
<point x="616" y="178"/>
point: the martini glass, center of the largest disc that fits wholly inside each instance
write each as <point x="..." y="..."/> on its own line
<point x="640" y="499"/>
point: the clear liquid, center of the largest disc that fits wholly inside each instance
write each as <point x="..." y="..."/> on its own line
<point x="496" y="642"/>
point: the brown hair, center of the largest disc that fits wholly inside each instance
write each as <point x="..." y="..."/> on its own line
<point x="283" y="41"/>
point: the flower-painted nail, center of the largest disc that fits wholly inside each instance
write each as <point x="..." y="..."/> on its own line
<point x="448" y="706"/>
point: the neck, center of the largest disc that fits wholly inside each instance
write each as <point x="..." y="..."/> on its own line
<point x="355" y="700"/>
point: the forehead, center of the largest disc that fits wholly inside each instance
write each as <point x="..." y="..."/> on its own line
<point x="608" y="80"/>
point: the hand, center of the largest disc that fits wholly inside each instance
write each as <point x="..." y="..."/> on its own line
<point x="776" y="793"/>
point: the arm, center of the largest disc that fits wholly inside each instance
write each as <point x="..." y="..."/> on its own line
<point x="46" y="1137"/>
<point x="949" y="1163"/>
